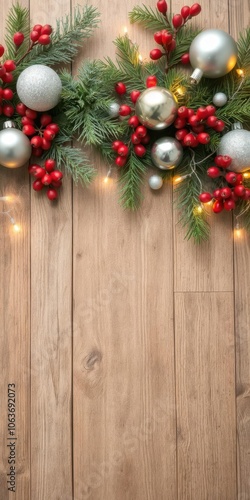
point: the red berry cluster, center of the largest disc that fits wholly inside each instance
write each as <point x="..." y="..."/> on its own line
<point x="226" y="196"/>
<point x="6" y="68"/>
<point x="166" y="38"/>
<point x="47" y="176"/>
<point x="38" y="35"/>
<point x="192" y="126"/>
<point x="39" y="127"/>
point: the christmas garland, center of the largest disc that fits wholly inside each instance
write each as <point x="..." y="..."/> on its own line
<point x="138" y="114"/>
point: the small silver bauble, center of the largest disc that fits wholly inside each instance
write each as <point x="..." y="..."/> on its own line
<point x="15" y="148"/>
<point x="156" y="108"/>
<point x="220" y="99"/>
<point x="39" y="87"/>
<point x="166" y="153"/>
<point x="155" y="181"/>
<point x="213" y="53"/>
<point x="236" y="144"/>
<point x="113" y="110"/>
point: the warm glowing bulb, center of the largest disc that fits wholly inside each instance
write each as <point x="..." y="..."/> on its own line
<point x="125" y="30"/>
<point x="140" y="58"/>
<point x="246" y="175"/>
<point x="240" y="72"/>
<point x="181" y="91"/>
<point x="106" y="179"/>
<point x="16" y="228"/>
<point x="198" y="210"/>
<point x="177" y="180"/>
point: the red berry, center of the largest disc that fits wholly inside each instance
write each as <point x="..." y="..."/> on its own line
<point x="50" y="164"/>
<point x="185" y="59"/>
<point x="219" y="126"/>
<point x="218" y="206"/>
<point x="191" y="112"/>
<point x="217" y="194"/>
<point x="135" y="139"/>
<point x="120" y="161"/>
<point x="1" y="50"/>
<point x="223" y="161"/>
<point x="21" y="108"/>
<point x="54" y="127"/>
<point x="162" y="6"/>
<point x="167" y="37"/>
<point x="171" y="46"/>
<point x="38" y="28"/>
<point x="213" y="172"/>
<point x="56" y="183"/>
<point x="158" y="37"/>
<point x="123" y="150"/>
<point x="39" y="173"/>
<point x="133" y="121"/>
<point x="46" y="30"/>
<point x="140" y="150"/>
<point x="180" y="122"/>
<point x="116" y="145"/>
<point x="124" y="110"/>
<point x="182" y="112"/>
<point x="202" y="113"/>
<point x="203" y="138"/>
<point x="141" y="131"/>
<point x="7" y="78"/>
<point x="18" y="38"/>
<point x="2" y="71"/>
<point x="190" y="140"/>
<point x="56" y="175"/>
<point x="8" y="110"/>
<point x="36" y="142"/>
<point x="211" y="110"/>
<point x="156" y="54"/>
<point x="46" y="144"/>
<point x="30" y="113"/>
<point x="145" y="140"/>
<point x="185" y="12"/>
<point x="28" y="130"/>
<point x="198" y="129"/>
<point x="231" y="177"/>
<point x="180" y="134"/>
<point x="9" y="65"/>
<point x="195" y="9"/>
<point x="34" y="35"/>
<point x="205" y="197"/>
<point x="234" y="197"/>
<point x="239" y="178"/>
<point x="247" y="194"/>
<point x="44" y="40"/>
<point x="151" y="81"/>
<point x="37" y="185"/>
<point x="120" y="88"/>
<point x="7" y="94"/>
<point x="177" y="21"/>
<point x="32" y="168"/>
<point x="49" y="134"/>
<point x="52" y="194"/>
<point x="193" y="121"/>
<point x="239" y="190"/>
<point x="37" y="152"/>
<point x="45" y="119"/>
<point x="27" y="121"/>
<point x="46" y="179"/>
<point x="229" y="204"/>
<point x="225" y="192"/>
<point x="134" y="95"/>
<point x="211" y="121"/>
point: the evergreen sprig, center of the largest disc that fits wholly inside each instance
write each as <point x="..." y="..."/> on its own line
<point x="149" y="18"/>
<point x="17" y="20"/>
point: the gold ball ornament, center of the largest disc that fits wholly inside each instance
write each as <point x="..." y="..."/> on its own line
<point x="156" y="108"/>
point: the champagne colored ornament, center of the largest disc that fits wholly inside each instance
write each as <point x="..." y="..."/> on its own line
<point x="39" y="87"/>
<point x="236" y="144"/>
<point x="156" y="108"/>
<point x="155" y="181"/>
<point x="220" y="99"/>
<point x="113" y="110"/>
<point x="213" y="53"/>
<point x="15" y="148"/>
<point x="166" y="153"/>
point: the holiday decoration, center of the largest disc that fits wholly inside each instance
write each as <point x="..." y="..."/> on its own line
<point x="15" y="148"/>
<point x="156" y="108"/>
<point x="155" y="182"/>
<point x="220" y="99"/>
<point x="114" y="108"/>
<point x="39" y="87"/>
<point x="236" y="144"/>
<point x="166" y="153"/>
<point x="213" y="53"/>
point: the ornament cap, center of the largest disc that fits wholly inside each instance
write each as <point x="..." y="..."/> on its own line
<point x="237" y="126"/>
<point x="9" y="124"/>
<point x="196" y="76"/>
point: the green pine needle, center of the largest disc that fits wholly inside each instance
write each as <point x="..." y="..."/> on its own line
<point x="17" y="20"/>
<point x="149" y="18"/>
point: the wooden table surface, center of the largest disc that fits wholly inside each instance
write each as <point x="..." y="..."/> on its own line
<point x="129" y="347"/>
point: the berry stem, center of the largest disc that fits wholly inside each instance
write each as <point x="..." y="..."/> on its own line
<point x="26" y="53"/>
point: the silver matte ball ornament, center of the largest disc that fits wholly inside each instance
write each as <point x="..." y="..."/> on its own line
<point x="220" y="99"/>
<point x="212" y="53"/>
<point x="236" y="144"/>
<point x="39" y="87"/>
<point x="155" y="182"/>
<point x="156" y="108"/>
<point x="113" y="110"/>
<point x="166" y="153"/>
<point x="15" y="148"/>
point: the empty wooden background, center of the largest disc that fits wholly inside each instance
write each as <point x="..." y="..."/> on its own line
<point x="129" y="346"/>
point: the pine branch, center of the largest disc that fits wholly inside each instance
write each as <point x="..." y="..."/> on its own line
<point x="244" y="49"/>
<point x="184" y="38"/>
<point x="131" y="180"/>
<point x="149" y="18"/>
<point x="17" y="20"/>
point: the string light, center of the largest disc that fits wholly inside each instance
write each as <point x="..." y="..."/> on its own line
<point x="125" y="30"/>
<point x="246" y="175"/>
<point x="237" y="230"/>
<point x="9" y="198"/>
<point x="181" y="90"/>
<point x="107" y="178"/>
<point x="198" y="209"/>
<point x="180" y="178"/>
<point x="240" y="72"/>
<point x="140" y="58"/>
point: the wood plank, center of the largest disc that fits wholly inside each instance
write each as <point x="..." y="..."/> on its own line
<point x="15" y="324"/>
<point x="205" y="391"/>
<point x="51" y="326"/>
<point x="124" y="396"/>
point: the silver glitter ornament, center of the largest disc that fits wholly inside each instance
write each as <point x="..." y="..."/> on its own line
<point x="156" y="108"/>
<point x="39" y="87"/>
<point x="220" y="99"/>
<point x="213" y="53"/>
<point x="15" y="148"/>
<point x="166" y="153"/>
<point x="113" y="110"/>
<point x="236" y="144"/>
<point x="155" y="181"/>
